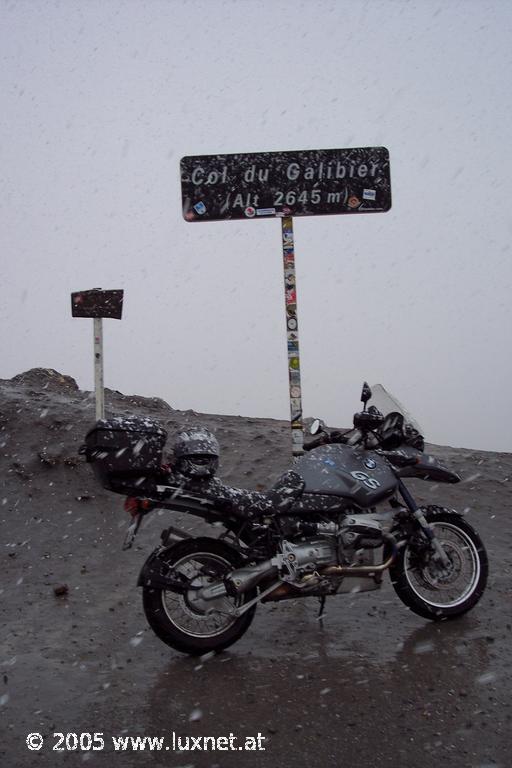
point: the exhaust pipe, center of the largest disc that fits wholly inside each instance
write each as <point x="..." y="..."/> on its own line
<point x="364" y="570"/>
<point x="286" y="590"/>
<point x="357" y="570"/>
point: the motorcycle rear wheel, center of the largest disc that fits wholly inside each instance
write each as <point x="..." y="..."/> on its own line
<point x="432" y="590"/>
<point x="184" y="621"/>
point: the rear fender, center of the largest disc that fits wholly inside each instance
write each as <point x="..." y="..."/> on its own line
<point x="155" y="572"/>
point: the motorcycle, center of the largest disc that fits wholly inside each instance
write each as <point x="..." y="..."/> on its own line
<point x="320" y="531"/>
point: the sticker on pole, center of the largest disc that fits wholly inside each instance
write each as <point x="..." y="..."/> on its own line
<point x="274" y="184"/>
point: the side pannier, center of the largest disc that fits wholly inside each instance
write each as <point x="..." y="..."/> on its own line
<point x="126" y="453"/>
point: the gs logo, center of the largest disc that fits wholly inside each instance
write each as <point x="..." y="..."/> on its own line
<point x="363" y="478"/>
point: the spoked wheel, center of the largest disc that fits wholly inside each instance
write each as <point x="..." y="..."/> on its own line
<point x="436" y="590"/>
<point x="184" y="619"/>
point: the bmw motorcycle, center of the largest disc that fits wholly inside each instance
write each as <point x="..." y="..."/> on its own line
<point x="320" y="531"/>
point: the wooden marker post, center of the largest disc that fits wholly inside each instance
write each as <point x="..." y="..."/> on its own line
<point x="98" y="304"/>
<point x="98" y="368"/>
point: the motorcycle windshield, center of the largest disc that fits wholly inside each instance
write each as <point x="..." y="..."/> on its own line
<point x="386" y="402"/>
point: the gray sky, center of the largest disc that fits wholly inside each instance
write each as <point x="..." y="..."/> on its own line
<point x="100" y="100"/>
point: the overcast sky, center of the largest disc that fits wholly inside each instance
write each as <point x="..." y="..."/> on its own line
<point x="101" y="99"/>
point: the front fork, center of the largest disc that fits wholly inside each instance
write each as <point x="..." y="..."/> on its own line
<point x="427" y="529"/>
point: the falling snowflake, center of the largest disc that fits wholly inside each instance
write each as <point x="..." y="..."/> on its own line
<point x="423" y="647"/>
<point x="487" y="677"/>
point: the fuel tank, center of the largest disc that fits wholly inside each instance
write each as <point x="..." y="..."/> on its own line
<point x="361" y="477"/>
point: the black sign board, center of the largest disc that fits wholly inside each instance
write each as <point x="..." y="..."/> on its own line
<point x="97" y="303"/>
<point x="269" y="184"/>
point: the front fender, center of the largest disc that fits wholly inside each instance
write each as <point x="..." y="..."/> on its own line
<point x="406" y="526"/>
<point x="433" y="510"/>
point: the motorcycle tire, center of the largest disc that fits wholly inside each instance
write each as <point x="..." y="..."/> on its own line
<point x="432" y="590"/>
<point x="185" y="622"/>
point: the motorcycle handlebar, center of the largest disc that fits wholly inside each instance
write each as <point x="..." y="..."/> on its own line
<point x="327" y="439"/>
<point x="369" y="437"/>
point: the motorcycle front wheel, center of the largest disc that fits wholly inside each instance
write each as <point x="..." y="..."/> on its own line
<point x="183" y="619"/>
<point x="431" y="589"/>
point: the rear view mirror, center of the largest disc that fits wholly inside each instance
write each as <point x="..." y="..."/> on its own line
<point x="315" y="427"/>
<point x="366" y="393"/>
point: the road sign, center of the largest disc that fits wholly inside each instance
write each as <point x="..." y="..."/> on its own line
<point x="97" y="303"/>
<point x="263" y="185"/>
<point x="268" y="184"/>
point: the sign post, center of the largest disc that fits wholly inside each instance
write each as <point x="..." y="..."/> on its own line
<point x="283" y="185"/>
<point x="98" y="368"/>
<point x="292" y="333"/>
<point x="98" y="304"/>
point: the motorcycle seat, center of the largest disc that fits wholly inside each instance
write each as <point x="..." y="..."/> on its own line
<point x="252" y="504"/>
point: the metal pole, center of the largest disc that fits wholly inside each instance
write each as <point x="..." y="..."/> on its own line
<point x="98" y="368"/>
<point x="292" y="333"/>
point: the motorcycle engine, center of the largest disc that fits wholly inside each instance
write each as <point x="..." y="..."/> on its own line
<point x="334" y="545"/>
<point x="340" y="545"/>
<point x="306" y="557"/>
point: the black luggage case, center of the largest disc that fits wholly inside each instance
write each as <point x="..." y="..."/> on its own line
<point x="126" y="453"/>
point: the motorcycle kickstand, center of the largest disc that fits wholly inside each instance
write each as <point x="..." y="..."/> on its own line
<point x="321" y="600"/>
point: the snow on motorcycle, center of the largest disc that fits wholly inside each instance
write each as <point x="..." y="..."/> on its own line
<point x="319" y="531"/>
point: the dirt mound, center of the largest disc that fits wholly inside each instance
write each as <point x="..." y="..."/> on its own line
<point x="45" y="378"/>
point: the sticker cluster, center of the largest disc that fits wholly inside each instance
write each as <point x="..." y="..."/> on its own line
<point x="292" y="328"/>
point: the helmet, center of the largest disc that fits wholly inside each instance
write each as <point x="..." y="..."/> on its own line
<point x="196" y="451"/>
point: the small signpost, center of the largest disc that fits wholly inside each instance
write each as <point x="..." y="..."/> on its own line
<point x="286" y="184"/>
<point x="98" y="304"/>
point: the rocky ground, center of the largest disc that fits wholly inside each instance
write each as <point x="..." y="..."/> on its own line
<point x="373" y="684"/>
